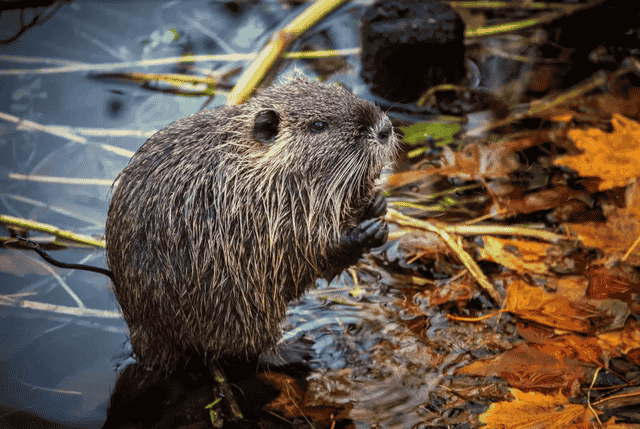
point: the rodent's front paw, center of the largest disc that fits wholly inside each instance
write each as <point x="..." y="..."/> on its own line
<point x="377" y="207"/>
<point x="368" y="234"/>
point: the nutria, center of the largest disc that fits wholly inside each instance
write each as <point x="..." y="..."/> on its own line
<point x="223" y="217"/>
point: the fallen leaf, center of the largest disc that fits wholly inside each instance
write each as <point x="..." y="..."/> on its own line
<point x="535" y="410"/>
<point x="623" y="341"/>
<point x="572" y="287"/>
<point x="402" y="178"/>
<point x="561" y="198"/>
<point x="289" y="401"/>
<point x="293" y="402"/>
<point x="626" y="105"/>
<point x="614" y="238"/>
<point x="533" y="303"/>
<point x="529" y="366"/>
<point x="603" y="283"/>
<point x="519" y="256"/>
<point x="478" y="161"/>
<point x="614" y="157"/>
<point x="440" y="130"/>
<point x="595" y="350"/>
<point x="459" y="291"/>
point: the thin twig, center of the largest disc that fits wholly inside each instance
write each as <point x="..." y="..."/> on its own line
<point x="595" y="376"/>
<point x="53" y="230"/>
<point x="54" y="208"/>
<point x="520" y="231"/>
<point x="8" y="301"/>
<point x="631" y="249"/>
<point x="75" y="67"/>
<point x="279" y="42"/>
<point x="61" y="180"/>
<point x="70" y="134"/>
<point x="610" y="398"/>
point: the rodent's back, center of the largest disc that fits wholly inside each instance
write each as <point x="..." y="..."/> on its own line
<point x="223" y="217"/>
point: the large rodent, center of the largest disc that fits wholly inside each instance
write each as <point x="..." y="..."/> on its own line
<point x="223" y="217"/>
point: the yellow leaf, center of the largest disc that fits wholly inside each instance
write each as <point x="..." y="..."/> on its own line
<point x="613" y="157"/>
<point x="520" y="256"/>
<point x="534" y="411"/>
<point x="533" y="303"/>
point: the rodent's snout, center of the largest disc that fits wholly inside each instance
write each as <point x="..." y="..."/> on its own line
<point x="384" y="131"/>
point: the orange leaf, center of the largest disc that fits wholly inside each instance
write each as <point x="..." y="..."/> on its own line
<point x="519" y="256"/>
<point x="621" y="341"/>
<point x="574" y="347"/>
<point x="614" y="237"/>
<point x="289" y="401"/>
<point x="535" y="304"/>
<point x="475" y="161"/>
<point x="535" y="410"/>
<point x="527" y="367"/>
<point x="614" y="157"/>
<point x="402" y="178"/>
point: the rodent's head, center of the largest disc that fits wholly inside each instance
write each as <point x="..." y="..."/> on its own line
<point x="321" y="132"/>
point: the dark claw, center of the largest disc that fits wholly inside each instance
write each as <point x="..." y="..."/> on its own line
<point x="370" y="233"/>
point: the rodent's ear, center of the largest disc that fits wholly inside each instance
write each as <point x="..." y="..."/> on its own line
<point x="266" y="126"/>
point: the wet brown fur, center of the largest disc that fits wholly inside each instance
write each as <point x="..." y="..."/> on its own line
<point x="211" y="233"/>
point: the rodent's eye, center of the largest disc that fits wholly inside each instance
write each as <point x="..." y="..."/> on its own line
<point x="319" y="126"/>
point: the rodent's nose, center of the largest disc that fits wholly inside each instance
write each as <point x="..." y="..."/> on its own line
<point x="385" y="131"/>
